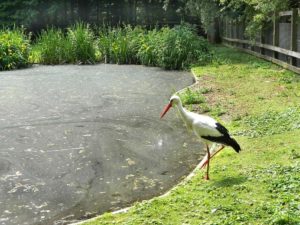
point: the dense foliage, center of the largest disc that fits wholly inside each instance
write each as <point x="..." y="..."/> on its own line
<point x="169" y="48"/>
<point x="254" y="13"/>
<point x="14" y="49"/>
<point x="180" y="47"/>
<point x="37" y="14"/>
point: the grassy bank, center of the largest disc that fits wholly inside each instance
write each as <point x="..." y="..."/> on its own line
<point x="259" y="103"/>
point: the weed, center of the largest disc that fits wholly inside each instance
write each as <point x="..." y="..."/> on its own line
<point x="218" y="111"/>
<point x="205" y="90"/>
<point x="270" y="123"/>
<point x="287" y="78"/>
<point x="191" y="97"/>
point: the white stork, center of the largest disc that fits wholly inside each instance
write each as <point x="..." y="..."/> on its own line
<point x="206" y="128"/>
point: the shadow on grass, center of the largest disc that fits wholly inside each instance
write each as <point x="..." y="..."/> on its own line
<point x="230" y="181"/>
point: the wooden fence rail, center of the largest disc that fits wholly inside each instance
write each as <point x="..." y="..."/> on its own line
<point x="283" y="45"/>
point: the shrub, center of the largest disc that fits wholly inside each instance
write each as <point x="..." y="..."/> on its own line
<point x="14" y="49"/>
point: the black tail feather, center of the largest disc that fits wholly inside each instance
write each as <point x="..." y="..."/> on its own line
<point x="233" y="143"/>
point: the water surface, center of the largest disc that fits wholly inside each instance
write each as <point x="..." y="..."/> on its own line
<point x="76" y="141"/>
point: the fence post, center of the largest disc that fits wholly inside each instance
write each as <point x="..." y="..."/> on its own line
<point x="243" y="32"/>
<point x="293" y="42"/>
<point x="226" y="28"/>
<point x="275" y="33"/>
<point x="262" y="41"/>
<point x="231" y="28"/>
<point x="237" y="32"/>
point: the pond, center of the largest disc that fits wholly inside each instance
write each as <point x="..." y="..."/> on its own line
<point x="77" y="141"/>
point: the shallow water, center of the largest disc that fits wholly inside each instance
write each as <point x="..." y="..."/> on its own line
<point x="76" y="141"/>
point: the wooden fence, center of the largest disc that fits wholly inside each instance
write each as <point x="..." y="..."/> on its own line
<point x="279" y="41"/>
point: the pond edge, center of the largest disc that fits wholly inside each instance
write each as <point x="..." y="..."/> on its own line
<point x="183" y="182"/>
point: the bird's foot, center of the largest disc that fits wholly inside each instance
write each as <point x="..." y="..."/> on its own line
<point x="202" y="165"/>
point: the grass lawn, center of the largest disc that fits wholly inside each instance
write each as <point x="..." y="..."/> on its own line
<point x="260" y="104"/>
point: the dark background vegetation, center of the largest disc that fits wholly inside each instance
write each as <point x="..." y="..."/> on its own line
<point x="38" y="14"/>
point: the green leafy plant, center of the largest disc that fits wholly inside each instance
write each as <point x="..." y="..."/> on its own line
<point x="14" y="49"/>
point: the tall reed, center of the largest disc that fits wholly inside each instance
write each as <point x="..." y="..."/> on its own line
<point x="54" y="48"/>
<point x="82" y="42"/>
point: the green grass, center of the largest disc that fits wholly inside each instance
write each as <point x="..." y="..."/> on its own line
<point x="261" y="185"/>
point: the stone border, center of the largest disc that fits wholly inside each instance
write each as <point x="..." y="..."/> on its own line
<point x="184" y="181"/>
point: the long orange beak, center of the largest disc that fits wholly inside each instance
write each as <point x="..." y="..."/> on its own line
<point x="166" y="109"/>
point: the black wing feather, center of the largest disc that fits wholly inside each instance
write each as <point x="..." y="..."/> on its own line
<point x="225" y="140"/>
<point x="223" y="130"/>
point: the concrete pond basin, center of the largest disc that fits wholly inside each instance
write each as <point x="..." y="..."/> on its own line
<point x="77" y="141"/>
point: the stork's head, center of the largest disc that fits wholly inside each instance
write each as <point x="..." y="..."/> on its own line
<point x="174" y="100"/>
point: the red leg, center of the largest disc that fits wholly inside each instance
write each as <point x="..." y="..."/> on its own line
<point x="208" y="159"/>
<point x="204" y="164"/>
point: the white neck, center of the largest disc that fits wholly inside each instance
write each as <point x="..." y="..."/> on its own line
<point x="183" y="113"/>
